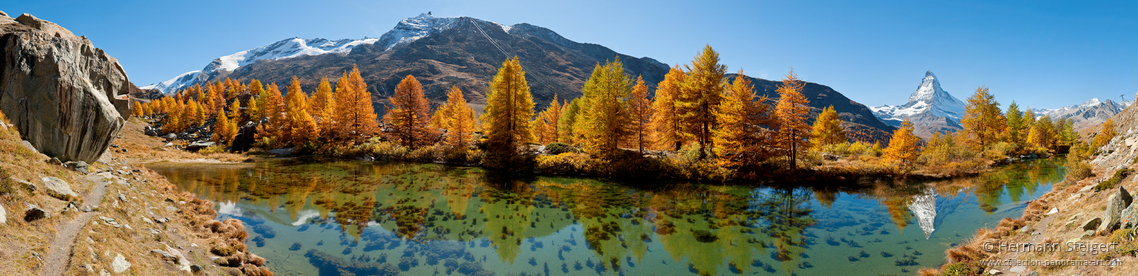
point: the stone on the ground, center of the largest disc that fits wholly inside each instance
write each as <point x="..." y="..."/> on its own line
<point x="1112" y="217"/>
<point x="34" y="213"/>
<point x="3" y="215"/>
<point x="196" y="146"/>
<point x="78" y="166"/>
<point x="165" y="255"/>
<point x="59" y="189"/>
<point x="994" y="272"/>
<point x="1053" y="211"/>
<point x="196" y="268"/>
<point x="1129" y="217"/>
<point x="29" y="146"/>
<point x="283" y="151"/>
<point x="27" y="185"/>
<point x="1018" y="269"/>
<point x="1091" y="224"/>
<point x="120" y="264"/>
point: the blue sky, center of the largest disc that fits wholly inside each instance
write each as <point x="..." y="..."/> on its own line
<point x="1043" y="54"/>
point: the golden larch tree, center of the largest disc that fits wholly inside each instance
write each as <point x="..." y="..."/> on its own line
<point x="702" y="91"/>
<point x="323" y="108"/>
<point x="791" y="111"/>
<point x="457" y="118"/>
<point x="827" y="129"/>
<point x="548" y="121"/>
<point x="408" y="115"/>
<point x="304" y="129"/>
<point x="983" y="122"/>
<point x="640" y="115"/>
<point x="742" y="137"/>
<point x="273" y="108"/>
<point x="605" y="109"/>
<point x="903" y="148"/>
<point x="566" y="125"/>
<point x="356" y="116"/>
<point x="509" y="108"/>
<point x="1106" y="133"/>
<point x="295" y="102"/>
<point x="137" y="110"/>
<point x="665" y="117"/>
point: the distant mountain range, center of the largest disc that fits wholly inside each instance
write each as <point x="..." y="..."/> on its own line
<point x="466" y="52"/>
<point x="930" y="109"/>
<point x="1088" y="114"/>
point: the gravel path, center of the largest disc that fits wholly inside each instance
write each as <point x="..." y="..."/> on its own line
<point x="59" y="255"/>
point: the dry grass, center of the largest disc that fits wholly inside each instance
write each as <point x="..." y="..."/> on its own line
<point x="1074" y="206"/>
<point x="148" y="196"/>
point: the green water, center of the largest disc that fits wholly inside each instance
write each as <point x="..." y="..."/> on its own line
<point x="371" y="218"/>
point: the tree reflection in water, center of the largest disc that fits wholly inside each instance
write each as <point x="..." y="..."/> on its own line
<point x="545" y="222"/>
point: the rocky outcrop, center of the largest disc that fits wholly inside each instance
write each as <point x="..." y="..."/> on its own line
<point x="66" y="97"/>
<point x="1112" y="216"/>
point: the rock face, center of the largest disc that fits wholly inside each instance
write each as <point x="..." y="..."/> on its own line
<point x="1112" y="217"/>
<point x="1130" y="217"/>
<point x="64" y="95"/>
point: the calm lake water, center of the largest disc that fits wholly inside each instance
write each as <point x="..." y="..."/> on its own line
<point x="372" y="218"/>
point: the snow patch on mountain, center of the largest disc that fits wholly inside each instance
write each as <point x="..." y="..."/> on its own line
<point x="928" y="99"/>
<point x="179" y="81"/>
<point x="412" y="29"/>
<point x="287" y="48"/>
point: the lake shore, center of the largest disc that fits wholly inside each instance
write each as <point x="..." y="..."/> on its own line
<point x="123" y="217"/>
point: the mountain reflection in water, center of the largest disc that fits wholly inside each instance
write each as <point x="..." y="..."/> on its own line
<point x="335" y="218"/>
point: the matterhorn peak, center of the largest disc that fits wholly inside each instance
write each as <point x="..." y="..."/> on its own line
<point x="929" y="99"/>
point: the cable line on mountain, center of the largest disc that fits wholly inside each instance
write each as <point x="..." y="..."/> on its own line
<point x="499" y="47"/>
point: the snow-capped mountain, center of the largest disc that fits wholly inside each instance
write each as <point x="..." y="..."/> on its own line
<point x="407" y="31"/>
<point x="930" y="109"/>
<point x="287" y="48"/>
<point x="1087" y="114"/>
<point x="929" y="98"/>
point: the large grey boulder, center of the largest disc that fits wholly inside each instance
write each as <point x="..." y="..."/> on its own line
<point x="1112" y="217"/>
<point x="58" y="188"/>
<point x="67" y="98"/>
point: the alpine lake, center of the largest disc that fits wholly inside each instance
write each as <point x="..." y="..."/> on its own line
<point x="380" y="218"/>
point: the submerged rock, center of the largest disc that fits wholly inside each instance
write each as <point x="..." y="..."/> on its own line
<point x="67" y="98"/>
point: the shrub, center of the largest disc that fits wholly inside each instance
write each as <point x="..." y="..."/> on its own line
<point x="1109" y="183"/>
<point x="1000" y="151"/>
<point x="428" y="153"/>
<point x="270" y="142"/>
<point x="556" y="148"/>
<point x="565" y="163"/>
<point x="958" y="269"/>
<point x="1078" y="170"/>
<point x="212" y="149"/>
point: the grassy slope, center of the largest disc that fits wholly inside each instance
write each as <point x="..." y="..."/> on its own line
<point x="147" y="195"/>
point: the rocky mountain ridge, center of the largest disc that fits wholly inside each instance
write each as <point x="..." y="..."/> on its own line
<point x="930" y="109"/>
<point x="466" y="52"/>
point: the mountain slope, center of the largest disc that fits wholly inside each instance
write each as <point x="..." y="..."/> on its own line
<point x="857" y="119"/>
<point x="466" y="52"/>
<point x="930" y="109"/>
